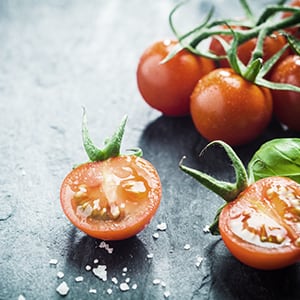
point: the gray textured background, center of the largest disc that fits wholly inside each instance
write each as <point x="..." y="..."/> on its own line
<point x="55" y="57"/>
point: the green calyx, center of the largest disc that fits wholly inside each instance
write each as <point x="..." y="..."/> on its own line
<point x="227" y="190"/>
<point x="112" y="145"/>
<point x="241" y="31"/>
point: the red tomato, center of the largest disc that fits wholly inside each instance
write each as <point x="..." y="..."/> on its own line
<point x="167" y="87"/>
<point x="272" y="44"/>
<point x="287" y="103"/>
<point x="112" y="199"/>
<point x="261" y="227"/>
<point x="224" y="106"/>
<point x="293" y="30"/>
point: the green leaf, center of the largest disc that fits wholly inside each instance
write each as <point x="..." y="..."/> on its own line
<point x="278" y="157"/>
<point x="112" y="145"/>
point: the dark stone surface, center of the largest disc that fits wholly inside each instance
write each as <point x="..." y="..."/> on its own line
<point x="55" y="57"/>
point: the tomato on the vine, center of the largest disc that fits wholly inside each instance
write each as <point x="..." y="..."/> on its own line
<point x="225" y="106"/>
<point x="167" y="86"/>
<point x="261" y="227"/>
<point x="287" y="103"/>
<point x="272" y="44"/>
<point x="296" y="29"/>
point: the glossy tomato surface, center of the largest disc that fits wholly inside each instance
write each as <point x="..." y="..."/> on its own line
<point x="224" y="106"/>
<point x="261" y="228"/>
<point x="287" y="103"/>
<point x="112" y="199"/>
<point x="167" y="87"/>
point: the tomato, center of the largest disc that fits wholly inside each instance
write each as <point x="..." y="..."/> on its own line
<point x="272" y="44"/>
<point x="261" y="227"/>
<point x="287" y="103"/>
<point x="167" y="87"/>
<point x="226" y="107"/>
<point x="112" y="199"/>
<point x="293" y="30"/>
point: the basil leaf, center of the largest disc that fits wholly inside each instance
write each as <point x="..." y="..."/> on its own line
<point x="278" y="157"/>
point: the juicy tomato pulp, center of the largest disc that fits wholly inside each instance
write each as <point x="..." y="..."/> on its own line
<point x="112" y="199"/>
<point x="167" y="86"/>
<point x="261" y="227"/>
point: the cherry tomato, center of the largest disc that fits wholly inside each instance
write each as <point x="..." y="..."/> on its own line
<point x="167" y="87"/>
<point x="272" y="44"/>
<point x="261" y="227"/>
<point x="287" y="103"/>
<point x="112" y="199"/>
<point x="293" y="30"/>
<point x="224" y="106"/>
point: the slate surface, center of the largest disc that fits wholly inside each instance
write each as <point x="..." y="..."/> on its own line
<point x="55" y="57"/>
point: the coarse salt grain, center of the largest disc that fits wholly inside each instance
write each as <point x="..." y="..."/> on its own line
<point x="109" y="291"/>
<point x="79" y="279"/>
<point x="21" y="297"/>
<point x="199" y="260"/>
<point x="60" y="275"/>
<point x="88" y="267"/>
<point x="156" y="281"/>
<point x="134" y="286"/>
<point x="124" y="287"/>
<point x="167" y="294"/>
<point x="53" y="261"/>
<point x="114" y="280"/>
<point x="96" y="261"/>
<point x="92" y="291"/>
<point x="206" y="229"/>
<point x="150" y="255"/>
<point x="155" y="235"/>
<point x="63" y="289"/>
<point x="162" y="226"/>
<point x="100" y="272"/>
<point x="187" y="247"/>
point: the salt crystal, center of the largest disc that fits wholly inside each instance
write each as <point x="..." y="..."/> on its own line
<point x="60" y="275"/>
<point x="206" y="229"/>
<point x="96" y="261"/>
<point x="167" y="294"/>
<point x="88" y="267"/>
<point x="156" y="281"/>
<point x="162" y="226"/>
<point x="125" y="269"/>
<point x="124" y="287"/>
<point x="109" y="291"/>
<point x="114" y="280"/>
<point x="150" y="255"/>
<point x="63" y="289"/>
<point x="93" y="291"/>
<point x="21" y="297"/>
<point x="134" y="286"/>
<point x="187" y="247"/>
<point x="100" y="272"/>
<point x="199" y="260"/>
<point x="155" y="235"/>
<point x="53" y="261"/>
<point x="79" y="279"/>
<point x="127" y="280"/>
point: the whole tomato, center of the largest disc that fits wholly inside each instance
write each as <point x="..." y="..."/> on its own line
<point x="287" y="103"/>
<point x="167" y="86"/>
<point x="272" y="44"/>
<point x="225" y="106"/>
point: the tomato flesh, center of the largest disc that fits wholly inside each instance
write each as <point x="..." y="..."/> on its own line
<point x="112" y="199"/>
<point x="261" y="227"/>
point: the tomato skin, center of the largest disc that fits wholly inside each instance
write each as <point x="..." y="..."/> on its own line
<point x="224" y="106"/>
<point x="167" y="87"/>
<point x="118" y="172"/>
<point x="242" y="240"/>
<point x="287" y="103"/>
<point x="296" y="29"/>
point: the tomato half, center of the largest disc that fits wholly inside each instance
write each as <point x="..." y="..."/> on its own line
<point x="112" y="199"/>
<point x="225" y="106"/>
<point x="261" y="228"/>
<point x="287" y="103"/>
<point x="167" y="87"/>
